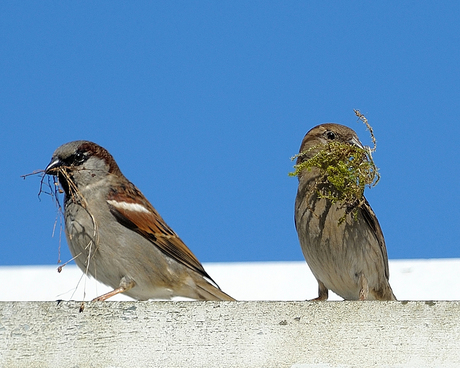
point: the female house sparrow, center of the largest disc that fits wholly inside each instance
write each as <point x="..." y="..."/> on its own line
<point x="115" y="234"/>
<point x="349" y="258"/>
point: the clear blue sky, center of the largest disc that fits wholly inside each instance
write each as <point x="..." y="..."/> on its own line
<point x="203" y="103"/>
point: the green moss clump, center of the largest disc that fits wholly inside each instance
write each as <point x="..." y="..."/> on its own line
<point x="348" y="168"/>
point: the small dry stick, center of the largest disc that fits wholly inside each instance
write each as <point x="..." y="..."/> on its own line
<point x="364" y="120"/>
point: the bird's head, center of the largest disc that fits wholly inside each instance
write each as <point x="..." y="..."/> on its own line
<point x="81" y="163"/>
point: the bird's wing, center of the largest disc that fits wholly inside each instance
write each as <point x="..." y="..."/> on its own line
<point x="131" y="209"/>
<point x="371" y="219"/>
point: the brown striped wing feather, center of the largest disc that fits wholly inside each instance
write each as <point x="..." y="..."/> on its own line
<point x="151" y="225"/>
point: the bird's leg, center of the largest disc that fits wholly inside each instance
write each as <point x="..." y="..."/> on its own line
<point x="323" y="292"/>
<point x="125" y="285"/>
<point x="364" y="287"/>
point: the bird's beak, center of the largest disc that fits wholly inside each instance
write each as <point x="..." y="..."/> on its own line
<point x="355" y="142"/>
<point x="51" y="169"/>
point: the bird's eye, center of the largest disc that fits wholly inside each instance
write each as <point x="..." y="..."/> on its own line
<point x="79" y="157"/>
<point x="330" y="135"/>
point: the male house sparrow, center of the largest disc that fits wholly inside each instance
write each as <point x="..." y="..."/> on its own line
<point x="345" y="251"/>
<point x="115" y="234"/>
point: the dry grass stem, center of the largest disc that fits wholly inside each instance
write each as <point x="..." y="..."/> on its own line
<point x="54" y="190"/>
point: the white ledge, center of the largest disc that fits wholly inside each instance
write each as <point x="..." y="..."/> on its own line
<point x="435" y="279"/>
<point x="230" y="334"/>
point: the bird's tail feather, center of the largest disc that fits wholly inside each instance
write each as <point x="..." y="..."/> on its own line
<point x="208" y="291"/>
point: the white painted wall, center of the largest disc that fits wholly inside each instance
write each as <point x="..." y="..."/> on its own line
<point x="437" y="279"/>
<point x="230" y="334"/>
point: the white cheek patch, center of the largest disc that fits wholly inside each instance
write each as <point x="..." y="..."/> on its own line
<point x="135" y="207"/>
